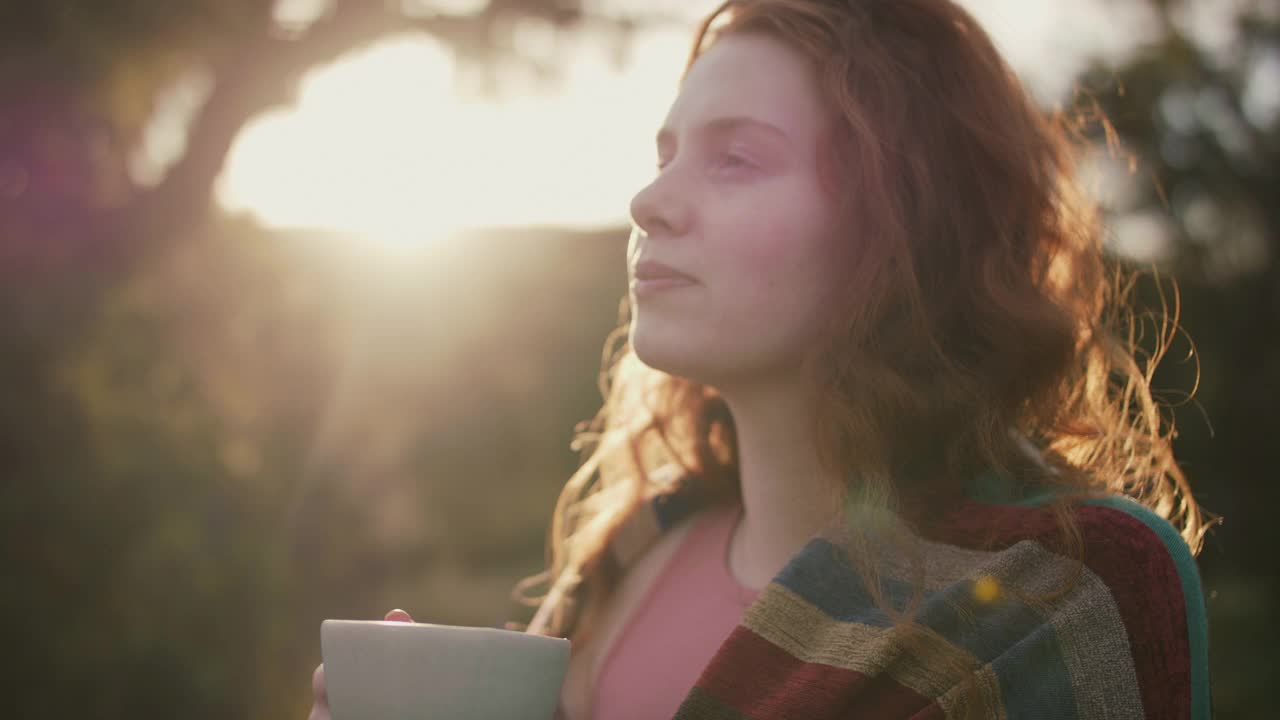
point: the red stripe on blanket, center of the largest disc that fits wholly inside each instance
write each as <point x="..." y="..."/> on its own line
<point x="1134" y="564"/>
<point x="779" y="686"/>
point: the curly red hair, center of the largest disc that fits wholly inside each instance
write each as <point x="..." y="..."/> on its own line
<point x="982" y="328"/>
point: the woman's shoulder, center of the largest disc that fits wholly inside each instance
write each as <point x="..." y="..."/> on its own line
<point x="1135" y="568"/>
<point x="1139" y="556"/>
<point x="1138" y="539"/>
<point x="1137" y="535"/>
<point x="1112" y="625"/>
<point x="1153" y="575"/>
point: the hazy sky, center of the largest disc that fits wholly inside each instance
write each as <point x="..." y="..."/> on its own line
<point x="378" y="145"/>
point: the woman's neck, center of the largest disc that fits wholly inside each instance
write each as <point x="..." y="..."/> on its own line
<point x="785" y="492"/>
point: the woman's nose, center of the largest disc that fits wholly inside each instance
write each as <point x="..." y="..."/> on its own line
<point x="659" y="208"/>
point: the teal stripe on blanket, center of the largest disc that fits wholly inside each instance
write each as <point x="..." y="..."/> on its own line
<point x="1189" y="576"/>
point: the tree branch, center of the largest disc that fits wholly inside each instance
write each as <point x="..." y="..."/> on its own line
<point x="262" y="72"/>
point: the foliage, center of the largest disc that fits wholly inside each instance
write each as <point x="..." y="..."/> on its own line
<point x="213" y="437"/>
<point x="1201" y="123"/>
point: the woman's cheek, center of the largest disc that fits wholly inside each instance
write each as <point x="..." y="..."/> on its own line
<point x="767" y="237"/>
<point x="773" y="235"/>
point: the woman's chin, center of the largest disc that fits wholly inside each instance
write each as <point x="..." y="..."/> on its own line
<point x="665" y="360"/>
<point x="671" y="356"/>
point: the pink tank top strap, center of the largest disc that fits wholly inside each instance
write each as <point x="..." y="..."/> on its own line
<point x="685" y="615"/>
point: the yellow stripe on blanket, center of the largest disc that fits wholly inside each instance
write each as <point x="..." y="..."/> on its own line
<point x="810" y="635"/>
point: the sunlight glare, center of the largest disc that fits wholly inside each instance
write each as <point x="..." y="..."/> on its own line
<point x="379" y="146"/>
<point x="353" y="155"/>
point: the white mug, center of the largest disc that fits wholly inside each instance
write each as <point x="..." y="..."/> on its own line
<point x="381" y="670"/>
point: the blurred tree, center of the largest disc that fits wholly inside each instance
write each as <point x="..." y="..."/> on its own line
<point x="209" y="440"/>
<point x="82" y="78"/>
<point x="177" y="501"/>
<point x="1199" y="113"/>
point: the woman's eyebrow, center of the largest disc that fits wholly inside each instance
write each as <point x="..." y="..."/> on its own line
<point x="723" y="125"/>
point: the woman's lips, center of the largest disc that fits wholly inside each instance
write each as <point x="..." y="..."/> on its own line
<point x="652" y="277"/>
<point x="649" y="286"/>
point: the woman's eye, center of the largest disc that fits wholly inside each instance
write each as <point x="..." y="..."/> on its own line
<point x="733" y="161"/>
<point x="721" y="161"/>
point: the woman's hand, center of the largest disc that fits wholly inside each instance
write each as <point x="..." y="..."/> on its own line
<point x="320" y="705"/>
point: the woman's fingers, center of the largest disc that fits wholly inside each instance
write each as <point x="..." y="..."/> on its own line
<point x="398" y="615"/>
<point x="320" y="708"/>
<point x="317" y="686"/>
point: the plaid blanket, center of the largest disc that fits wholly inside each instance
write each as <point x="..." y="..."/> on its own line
<point x="1128" y="641"/>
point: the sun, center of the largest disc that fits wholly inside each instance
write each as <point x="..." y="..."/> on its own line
<point x="362" y="151"/>
<point x="380" y="147"/>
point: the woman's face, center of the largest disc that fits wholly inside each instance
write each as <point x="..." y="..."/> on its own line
<point x="737" y="206"/>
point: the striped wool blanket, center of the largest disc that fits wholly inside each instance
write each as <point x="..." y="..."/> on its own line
<point x="1128" y="641"/>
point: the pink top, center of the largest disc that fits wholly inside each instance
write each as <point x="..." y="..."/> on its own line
<point x="687" y="613"/>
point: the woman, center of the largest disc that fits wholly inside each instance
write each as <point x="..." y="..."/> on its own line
<point x="875" y="441"/>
